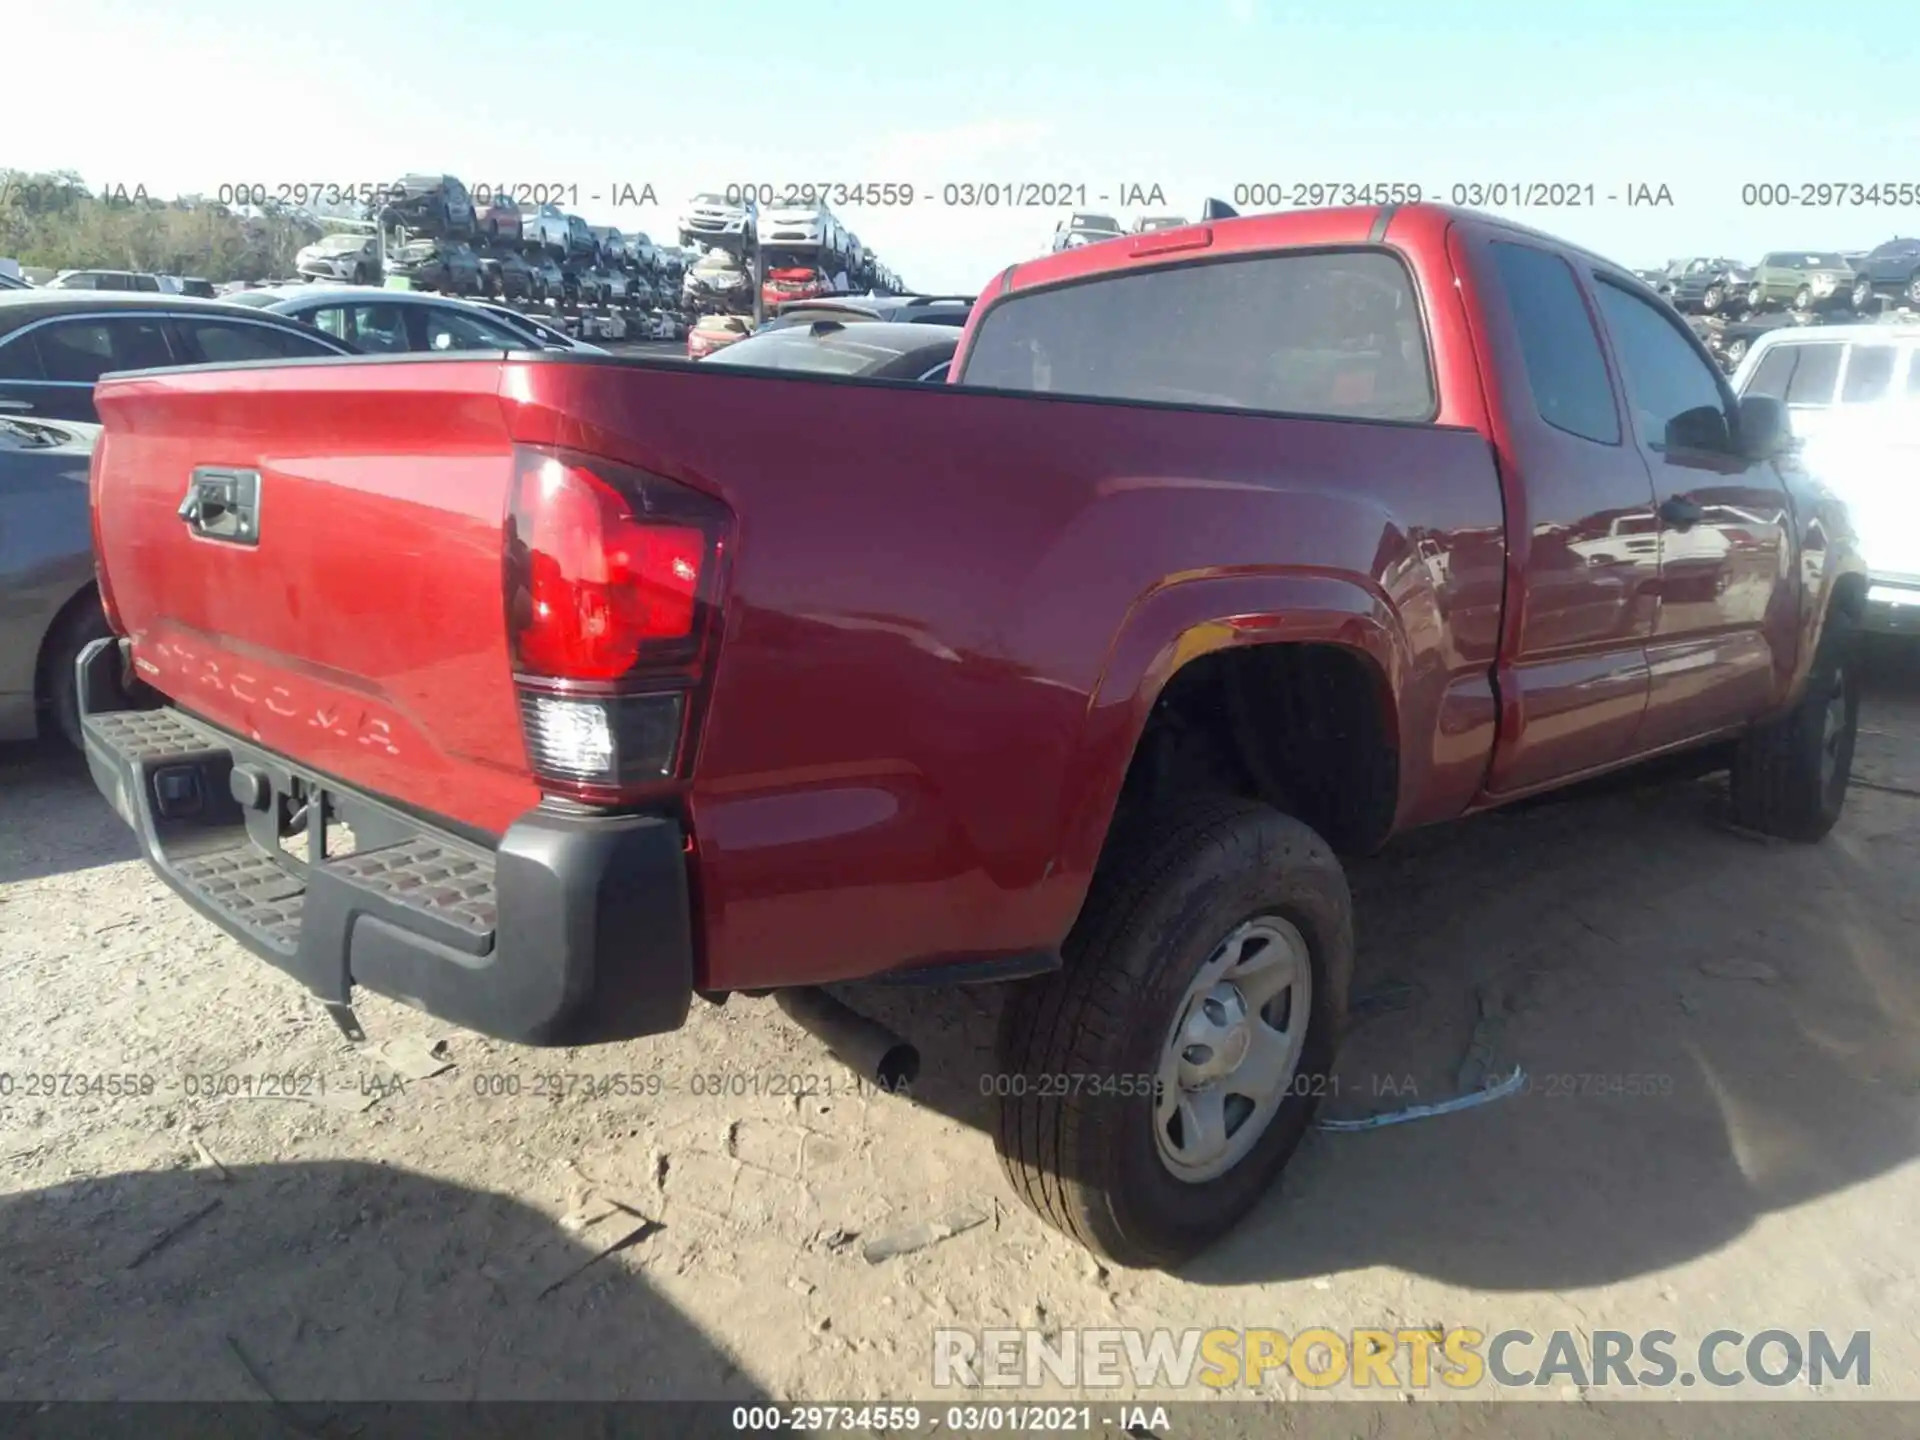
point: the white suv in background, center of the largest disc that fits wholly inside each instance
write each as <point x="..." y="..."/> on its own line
<point x="1854" y="394"/>
<point x="712" y="219"/>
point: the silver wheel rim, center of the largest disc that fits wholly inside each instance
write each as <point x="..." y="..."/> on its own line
<point x="1833" y="734"/>
<point x="1230" y="1056"/>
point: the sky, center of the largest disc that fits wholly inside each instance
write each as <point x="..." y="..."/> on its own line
<point x="1197" y="98"/>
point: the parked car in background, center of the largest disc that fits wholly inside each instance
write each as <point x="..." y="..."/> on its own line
<point x="448" y="266"/>
<point x="197" y="286"/>
<point x="49" y="605"/>
<point x="105" y="280"/>
<point x="550" y="280"/>
<point x="877" y="350"/>
<point x="546" y="227"/>
<point x="644" y="252"/>
<point x="950" y="310"/>
<point x="789" y="282"/>
<point x="711" y="333"/>
<point x="642" y="294"/>
<point x="580" y="243"/>
<point x="1705" y="285"/>
<point x="1084" y="671"/>
<point x="1085" y="227"/>
<point x="1853" y="392"/>
<point x="1890" y="271"/>
<point x="609" y="245"/>
<point x="54" y="344"/>
<point x="613" y="284"/>
<point x="354" y="258"/>
<point x="712" y="219"/>
<point x="506" y="273"/>
<point x="434" y="205"/>
<point x="385" y="322"/>
<point x="1729" y="340"/>
<point x="796" y="226"/>
<point x="498" y="221"/>
<point x="1147" y="224"/>
<point x="717" y="281"/>
<point x="549" y="337"/>
<point x="1804" y="279"/>
<point x="585" y="284"/>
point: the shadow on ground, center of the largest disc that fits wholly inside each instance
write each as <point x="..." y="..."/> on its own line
<point x="1714" y="1028"/>
<point x="319" y="1285"/>
<point x="52" y="820"/>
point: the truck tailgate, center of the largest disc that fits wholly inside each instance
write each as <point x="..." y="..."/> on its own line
<point x="351" y="617"/>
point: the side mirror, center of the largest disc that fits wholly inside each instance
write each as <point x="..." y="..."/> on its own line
<point x="1702" y="428"/>
<point x="1766" y="427"/>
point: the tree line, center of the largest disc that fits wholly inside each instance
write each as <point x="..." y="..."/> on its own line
<point x="53" y="220"/>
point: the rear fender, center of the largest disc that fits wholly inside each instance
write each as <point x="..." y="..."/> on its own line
<point x="1178" y="624"/>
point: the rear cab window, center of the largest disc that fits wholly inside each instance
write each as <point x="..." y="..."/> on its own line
<point x="1334" y="333"/>
<point x="1558" y="346"/>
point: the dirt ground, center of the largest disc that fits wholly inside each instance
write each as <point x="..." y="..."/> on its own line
<point x="431" y="1237"/>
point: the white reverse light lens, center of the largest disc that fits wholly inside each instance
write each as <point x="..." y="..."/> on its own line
<point x="570" y="737"/>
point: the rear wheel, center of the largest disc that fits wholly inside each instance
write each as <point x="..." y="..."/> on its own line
<point x="1151" y="1090"/>
<point x="79" y="625"/>
<point x="1863" y="295"/>
<point x="1790" y="775"/>
<point x="1756" y="297"/>
<point x="1803" y="298"/>
<point x="1713" y="299"/>
<point x="1736" y="352"/>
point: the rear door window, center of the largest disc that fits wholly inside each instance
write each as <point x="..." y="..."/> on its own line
<point x="1815" y="375"/>
<point x="1772" y="374"/>
<point x="1869" y="374"/>
<point x="1331" y="333"/>
<point x="1560" y="351"/>
<point x="19" y="359"/>
<point x="81" y="351"/>
<point x="231" y="341"/>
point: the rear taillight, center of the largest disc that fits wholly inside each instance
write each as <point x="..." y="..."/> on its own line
<point x="99" y="551"/>
<point x="613" y="584"/>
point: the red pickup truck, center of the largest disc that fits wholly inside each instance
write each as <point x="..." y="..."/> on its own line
<point x="584" y="686"/>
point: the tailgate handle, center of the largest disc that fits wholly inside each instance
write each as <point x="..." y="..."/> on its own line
<point x="223" y="504"/>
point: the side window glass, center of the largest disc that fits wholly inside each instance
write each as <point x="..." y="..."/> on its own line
<point x="1565" y="370"/>
<point x="1773" y="373"/>
<point x="228" y="344"/>
<point x="380" y="329"/>
<point x="139" y="344"/>
<point x="78" y="352"/>
<point x="20" y="360"/>
<point x="1675" y="394"/>
<point x="330" y="321"/>
<point x="1815" y="376"/>
<point x="1869" y="374"/>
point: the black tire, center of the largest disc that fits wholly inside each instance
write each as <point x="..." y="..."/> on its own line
<point x="1790" y="775"/>
<point x="1756" y="298"/>
<point x="1085" y="1158"/>
<point x="1803" y="298"/>
<point x="79" y="625"/>
<point x="1713" y="299"/>
<point x="1913" y="288"/>
<point x="1863" y="296"/>
<point x="1736" y="352"/>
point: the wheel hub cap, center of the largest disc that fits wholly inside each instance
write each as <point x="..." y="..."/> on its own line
<point x="1231" y="1054"/>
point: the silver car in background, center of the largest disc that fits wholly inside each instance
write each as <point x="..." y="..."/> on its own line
<point x="49" y="606"/>
<point x="354" y="258"/>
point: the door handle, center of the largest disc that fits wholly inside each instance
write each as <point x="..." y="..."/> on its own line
<point x="223" y="505"/>
<point x="1680" y="512"/>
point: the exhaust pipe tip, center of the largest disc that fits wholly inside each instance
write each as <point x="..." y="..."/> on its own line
<point x="863" y="1044"/>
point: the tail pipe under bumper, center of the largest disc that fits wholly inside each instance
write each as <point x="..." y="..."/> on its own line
<point x="864" y="1045"/>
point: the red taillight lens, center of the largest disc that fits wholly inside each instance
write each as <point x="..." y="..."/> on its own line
<point x="613" y="580"/>
<point x="602" y="582"/>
